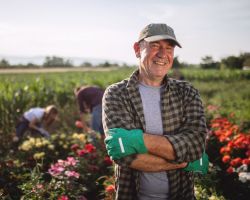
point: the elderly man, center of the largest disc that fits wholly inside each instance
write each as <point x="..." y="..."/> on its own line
<point x="155" y="126"/>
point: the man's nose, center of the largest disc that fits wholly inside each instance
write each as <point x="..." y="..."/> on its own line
<point x="162" y="53"/>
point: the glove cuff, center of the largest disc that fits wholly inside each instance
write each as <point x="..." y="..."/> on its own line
<point x="188" y="167"/>
<point x="140" y="141"/>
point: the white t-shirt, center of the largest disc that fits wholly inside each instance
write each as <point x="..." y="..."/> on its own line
<point x="34" y="114"/>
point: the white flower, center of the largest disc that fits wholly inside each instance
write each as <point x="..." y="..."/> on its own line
<point x="244" y="177"/>
<point x="242" y="168"/>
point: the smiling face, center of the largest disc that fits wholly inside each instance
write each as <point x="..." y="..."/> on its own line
<point x="156" y="59"/>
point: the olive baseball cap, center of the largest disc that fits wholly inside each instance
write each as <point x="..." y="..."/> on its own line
<point x="155" y="32"/>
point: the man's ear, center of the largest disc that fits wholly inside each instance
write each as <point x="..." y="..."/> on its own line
<point x="137" y="49"/>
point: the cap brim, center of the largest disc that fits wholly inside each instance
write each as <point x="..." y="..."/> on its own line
<point x="162" y="37"/>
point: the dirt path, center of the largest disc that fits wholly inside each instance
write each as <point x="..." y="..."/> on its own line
<point x="49" y="70"/>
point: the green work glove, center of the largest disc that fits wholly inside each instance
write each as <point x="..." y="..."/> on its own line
<point x="121" y="142"/>
<point x="198" y="166"/>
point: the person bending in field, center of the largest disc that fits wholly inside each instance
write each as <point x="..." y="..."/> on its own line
<point x="35" y="119"/>
<point x="89" y="99"/>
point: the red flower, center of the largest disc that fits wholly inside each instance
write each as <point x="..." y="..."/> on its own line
<point x="63" y="198"/>
<point x="246" y="161"/>
<point x="110" y="189"/>
<point x="230" y="170"/>
<point x="236" y="162"/>
<point x="78" y="124"/>
<point x="230" y="144"/>
<point x="108" y="161"/>
<point x="225" y="149"/>
<point x="82" y="152"/>
<point x="226" y="159"/>
<point x="241" y="141"/>
<point x="90" y="148"/>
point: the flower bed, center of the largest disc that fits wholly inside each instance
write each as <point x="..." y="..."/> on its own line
<point x="76" y="166"/>
<point x="229" y="151"/>
<point x="65" y="167"/>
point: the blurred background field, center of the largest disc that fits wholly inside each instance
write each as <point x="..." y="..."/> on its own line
<point x="225" y="93"/>
<point x="227" y="89"/>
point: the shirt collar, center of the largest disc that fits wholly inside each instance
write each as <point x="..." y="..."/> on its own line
<point x="133" y="81"/>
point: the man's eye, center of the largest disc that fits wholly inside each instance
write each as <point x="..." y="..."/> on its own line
<point x="155" y="46"/>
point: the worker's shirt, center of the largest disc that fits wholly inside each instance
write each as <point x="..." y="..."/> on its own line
<point x="34" y="114"/>
<point x="89" y="97"/>
<point x="183" y="123"/>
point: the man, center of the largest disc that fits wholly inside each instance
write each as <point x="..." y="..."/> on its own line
<point x="154" y="125"/>
<point x="89" y="99"/>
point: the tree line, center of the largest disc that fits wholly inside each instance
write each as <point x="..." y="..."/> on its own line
<point x="230" y="62"/>
<point x="207" y="62"/>
<point x="55" y="61"/>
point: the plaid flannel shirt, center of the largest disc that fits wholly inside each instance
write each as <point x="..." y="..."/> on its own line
<point x="183" y="125"/>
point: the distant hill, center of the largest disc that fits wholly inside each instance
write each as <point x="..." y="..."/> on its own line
<point x="39" y="60"/>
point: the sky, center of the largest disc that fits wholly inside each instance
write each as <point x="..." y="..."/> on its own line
<point x="107" y="29"/>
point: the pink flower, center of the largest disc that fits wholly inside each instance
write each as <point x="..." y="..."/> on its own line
<point x="37" y="187"/>
<point x="56" y="169"/>
<point x="72" y="174"/>
<point x="71" y="161"/>
<point x="212" y="108"/>
<point x="78" y="124"/>
<point x="60" y="162"/>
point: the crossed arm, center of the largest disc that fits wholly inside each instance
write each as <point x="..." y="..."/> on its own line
<point x="160" y="152"/>
<point x="163" y="152"/>
<point x="151" y="163"/>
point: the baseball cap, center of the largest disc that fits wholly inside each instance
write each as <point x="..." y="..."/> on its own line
<point x="155" y="32"/>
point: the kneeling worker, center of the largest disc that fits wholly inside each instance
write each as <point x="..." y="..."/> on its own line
<point x="34" y="119"/>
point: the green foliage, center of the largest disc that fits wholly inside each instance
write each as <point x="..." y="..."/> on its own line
<point x="55" y="61"/>
<point x="209" y="63"/>
<point x="233" y="62"/>
<point x="4" y="63"/>
<point x="225" y="89"/>
<point x="247" y="62"/>
<point x="86" y="64"/>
